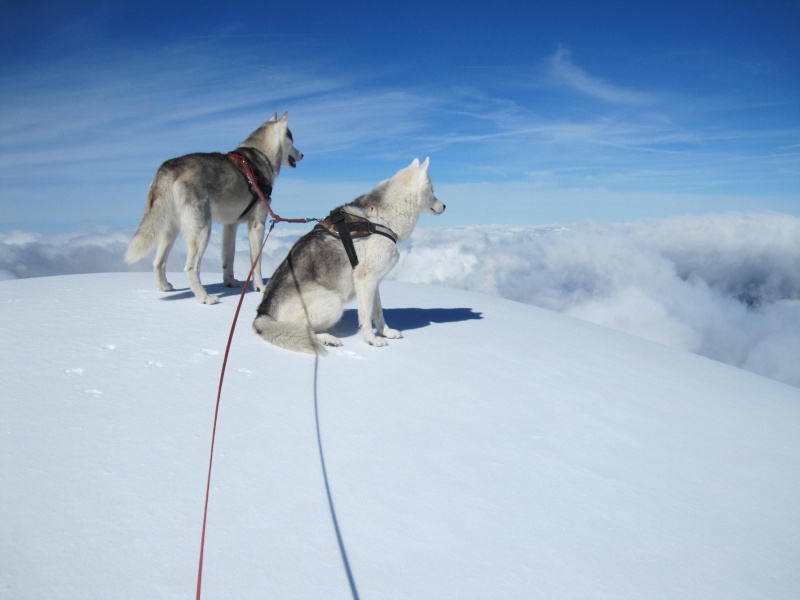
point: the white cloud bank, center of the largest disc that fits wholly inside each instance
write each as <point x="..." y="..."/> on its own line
<point x="726" y="286"/>
<point x="723" y="286"/>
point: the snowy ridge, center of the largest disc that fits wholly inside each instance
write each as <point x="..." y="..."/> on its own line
<point x="497" y="451"/>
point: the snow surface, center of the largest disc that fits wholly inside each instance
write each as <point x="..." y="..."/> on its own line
<point x="499" y="450"/>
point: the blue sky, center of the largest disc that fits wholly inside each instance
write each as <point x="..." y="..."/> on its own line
<point x="564" y="112"/>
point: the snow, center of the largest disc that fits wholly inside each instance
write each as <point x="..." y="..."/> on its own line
<point x="499" y="450"/>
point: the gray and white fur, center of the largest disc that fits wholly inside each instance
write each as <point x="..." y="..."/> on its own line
<point x="191" y="191"/>
<point x="305" y="296"/>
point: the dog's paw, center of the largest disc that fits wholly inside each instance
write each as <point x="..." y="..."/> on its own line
<point x="376" y="341"/>
<point x="391" y="334"/>
<point x="329" y="340"/>
<point x="232" y="283"/>
<point x="166" y="287"/>
<point x="209" y="299"/>
<point x="259" y="287"/>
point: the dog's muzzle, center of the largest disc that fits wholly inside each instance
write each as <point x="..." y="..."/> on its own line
<point x="293" y="161"/>
<point x="438" y="207"/>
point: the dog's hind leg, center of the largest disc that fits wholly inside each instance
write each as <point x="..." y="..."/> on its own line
<point x="322" y="309"/>
<point x="228" y="253"/>
<point x="165" y="241"/>
<point x="196" y="243"/>
<point x="328" y="339"/>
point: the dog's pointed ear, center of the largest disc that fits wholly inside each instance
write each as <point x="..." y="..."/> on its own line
<point x="273" y="118"/>
<point x="414" y="163"/>
<point x="424" y="166"/>
<point x="285" y="117"/>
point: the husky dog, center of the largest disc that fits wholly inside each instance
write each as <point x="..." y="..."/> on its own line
<point x="305" y="296"/>
<point x="191" y="191"/>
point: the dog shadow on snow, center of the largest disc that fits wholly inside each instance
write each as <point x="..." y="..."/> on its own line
<point x="217" y="289"/>
<point x="407" y="318"/>
<point x="397" y="318"/>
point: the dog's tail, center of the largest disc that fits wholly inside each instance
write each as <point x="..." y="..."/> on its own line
<point x="156" y="213"/>
<point x="290" y="336"/>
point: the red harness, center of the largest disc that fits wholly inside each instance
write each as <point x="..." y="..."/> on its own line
<point x="244" y="166"/>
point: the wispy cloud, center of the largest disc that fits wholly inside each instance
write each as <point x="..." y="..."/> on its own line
<point x="103" y="124"/>
<point x="122" y="110"/>
<point x="562" y="71"/>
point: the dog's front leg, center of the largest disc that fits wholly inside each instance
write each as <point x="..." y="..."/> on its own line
<point x="228" y="252"/>
<point x="366" y="295"/>
<point x="255" y="234"/>
<point x="380" y="322"/>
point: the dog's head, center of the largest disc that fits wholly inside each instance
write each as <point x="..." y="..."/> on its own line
<point x="291" y="155"/>
<point x="275" y="140"/>
<point x="429" y="203"/>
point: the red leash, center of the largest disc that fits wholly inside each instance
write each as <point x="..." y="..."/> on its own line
<point x="216" y="413"/>
<point x="247" y="171"/>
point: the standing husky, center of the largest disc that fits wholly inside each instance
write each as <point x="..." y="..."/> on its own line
<point x="304" y="297"/>
<point x="191" y="191"/>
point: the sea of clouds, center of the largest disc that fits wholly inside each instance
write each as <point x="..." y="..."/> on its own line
<point x="724" y="286"/>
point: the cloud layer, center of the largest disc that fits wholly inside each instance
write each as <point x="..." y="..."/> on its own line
<point x="723" y="286"/>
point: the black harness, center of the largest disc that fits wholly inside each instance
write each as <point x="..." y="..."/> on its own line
<point x="261" y="181"/>
<point x="346" y="227"/>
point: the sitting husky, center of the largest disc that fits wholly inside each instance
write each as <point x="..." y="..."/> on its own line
<point x="191" y="191"/>
<point x="306" y="294"/>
